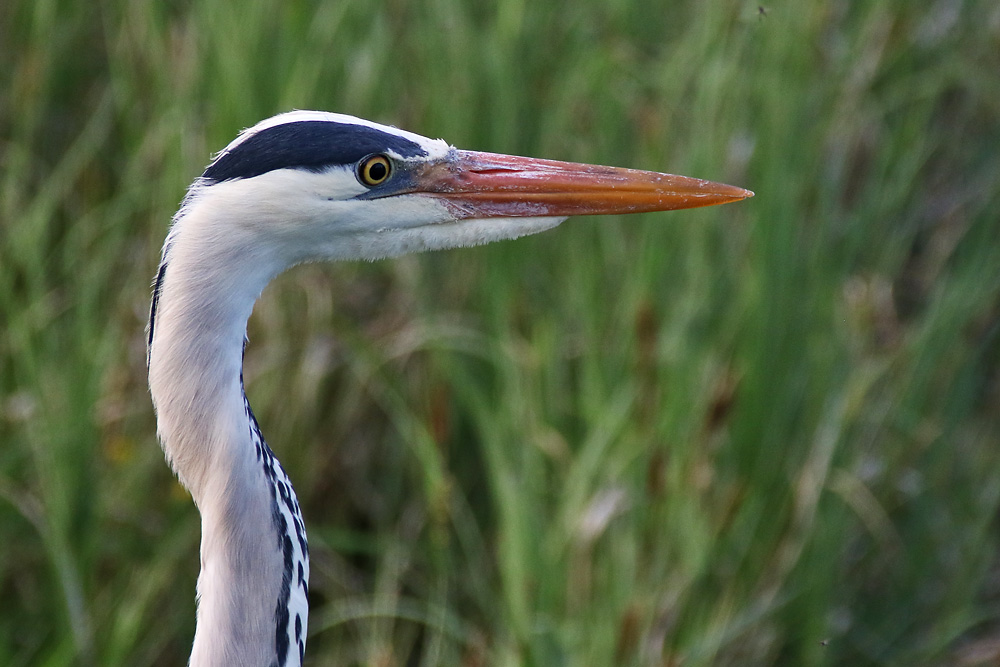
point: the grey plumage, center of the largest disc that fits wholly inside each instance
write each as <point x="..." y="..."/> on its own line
<point x="295" y="188"/>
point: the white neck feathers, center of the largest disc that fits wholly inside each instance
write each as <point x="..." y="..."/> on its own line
<point x="206" y="292"/>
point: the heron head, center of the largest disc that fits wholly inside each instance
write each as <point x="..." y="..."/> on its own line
<point x="314" y="185"/>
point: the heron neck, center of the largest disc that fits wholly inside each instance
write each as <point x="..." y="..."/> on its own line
<point x="209" y="279"/>
<point x="253" y="543"/>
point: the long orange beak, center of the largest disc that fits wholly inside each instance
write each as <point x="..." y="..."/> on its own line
<point x="490" y="185"/>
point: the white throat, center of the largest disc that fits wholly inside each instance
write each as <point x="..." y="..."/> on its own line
<point x="254" y="577"/>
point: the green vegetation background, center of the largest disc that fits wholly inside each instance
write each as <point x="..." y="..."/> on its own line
<point x="759" y="434"/>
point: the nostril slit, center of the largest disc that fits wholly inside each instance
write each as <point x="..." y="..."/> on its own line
<point x="493" y="170"/>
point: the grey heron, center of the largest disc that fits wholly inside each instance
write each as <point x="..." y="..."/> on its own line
<point x="300" y="187"/>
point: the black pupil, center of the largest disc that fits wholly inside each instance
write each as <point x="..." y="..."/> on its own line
<point x="377" y="170"/>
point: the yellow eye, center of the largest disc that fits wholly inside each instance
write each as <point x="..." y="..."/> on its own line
<point x="374" y="170"/>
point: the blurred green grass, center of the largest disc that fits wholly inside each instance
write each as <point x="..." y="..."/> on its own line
<point x="759" y="434"/>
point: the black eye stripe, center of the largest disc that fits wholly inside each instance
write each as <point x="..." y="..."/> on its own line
<point x="309" y="144"/>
